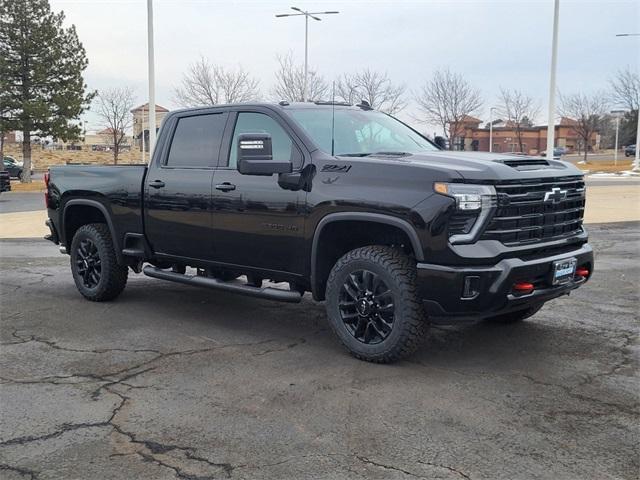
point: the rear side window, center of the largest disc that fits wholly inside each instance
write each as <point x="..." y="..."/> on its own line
<point x="196" y="141"/>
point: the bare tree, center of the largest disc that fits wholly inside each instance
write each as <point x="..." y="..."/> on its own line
<point x="625" y="89"/>
<point x="588" y="112"/>
<point x="446" y="99"/>
<point x="290" y="82"/>
<point x="518" y="109"/>
<point x="209" y="84"/>
<point x="373" y="87"/>
<point x="113" y="109"/>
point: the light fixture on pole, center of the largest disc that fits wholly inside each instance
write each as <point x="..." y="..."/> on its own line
<point x="307" y="15"/>
<point x="152" y="80"/>
<point x="551" y="127"/>
<point x="491" y="128"/>
<point x="616" y="114"/>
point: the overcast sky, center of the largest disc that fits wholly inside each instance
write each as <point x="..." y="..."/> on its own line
<point x="493" y="43"/>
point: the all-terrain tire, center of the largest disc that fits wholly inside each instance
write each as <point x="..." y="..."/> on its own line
<point x="112" y="277"/>
<point x="518" y="316"/>
<point x="397" y="271"/>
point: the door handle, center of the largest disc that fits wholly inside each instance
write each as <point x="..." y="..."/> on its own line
<point x="226" y="187"/>
<point x="156" y="184"/>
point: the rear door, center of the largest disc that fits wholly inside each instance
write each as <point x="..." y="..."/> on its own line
<point x="256" y="222"/>
<point x="178" y="214"/>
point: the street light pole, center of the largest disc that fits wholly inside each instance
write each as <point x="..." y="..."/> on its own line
<point x="551" y="127"/>
<point x="305" y="94"/>
<point x="615" y="152"/>
<point x="307" y="15"/>
<point x="636" y="161"/>
<point x="617" y="114"/>
<point x="142" y="134"/>
<point x="491" y="129"/>
<point x="152" y="82"/>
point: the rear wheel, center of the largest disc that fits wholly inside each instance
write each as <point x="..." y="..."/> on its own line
<point x="94" y="265"/>
<point x="518" y="316"/>
<point x="373" y="306"/>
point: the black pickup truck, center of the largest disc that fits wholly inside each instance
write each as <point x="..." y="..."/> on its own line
<point x="338" y="200"/>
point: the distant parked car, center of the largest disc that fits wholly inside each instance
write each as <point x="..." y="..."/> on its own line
<point x="557" y="153"/>
<point x="13" y="166"/>
<point x="629" y="150"/>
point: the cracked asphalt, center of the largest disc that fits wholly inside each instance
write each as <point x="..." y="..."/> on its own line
<point x="174" y="382"/>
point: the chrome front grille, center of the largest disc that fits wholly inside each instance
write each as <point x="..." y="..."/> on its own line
<point x="537" y="211"/>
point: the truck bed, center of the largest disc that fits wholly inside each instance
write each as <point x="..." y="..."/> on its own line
<point x="116" y="188"/>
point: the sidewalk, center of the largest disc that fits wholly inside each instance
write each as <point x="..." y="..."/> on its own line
<point x="605" y="204"/>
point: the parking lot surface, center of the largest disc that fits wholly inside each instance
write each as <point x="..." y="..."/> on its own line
<point x="174" y="382"/>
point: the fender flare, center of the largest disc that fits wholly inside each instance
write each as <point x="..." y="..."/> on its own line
<point x="400" y="223"/>
<point x="105" y="213"/>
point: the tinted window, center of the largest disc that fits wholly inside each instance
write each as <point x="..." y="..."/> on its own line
<point x="196" y="141"/>
<point x="283" y="148"/>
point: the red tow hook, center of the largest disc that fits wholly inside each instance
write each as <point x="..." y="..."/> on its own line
<point x="582" y="272"/>
<point x="523" y="287"/>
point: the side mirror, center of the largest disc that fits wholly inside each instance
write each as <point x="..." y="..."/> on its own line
<point x="255" y="156"/>
<point x="441" y="142"/>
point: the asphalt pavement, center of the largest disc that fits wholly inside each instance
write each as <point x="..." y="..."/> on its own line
<point x="176" y="382"/>
<point x="11" y="202"/>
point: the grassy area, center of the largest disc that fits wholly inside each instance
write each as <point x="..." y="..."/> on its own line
<point x="34" y="186"/>
<point x="624" y="165"/>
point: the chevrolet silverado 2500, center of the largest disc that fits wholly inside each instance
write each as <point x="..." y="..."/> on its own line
<point x="342" y="201"/>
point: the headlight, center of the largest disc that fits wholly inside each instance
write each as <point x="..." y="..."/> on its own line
<point x="473" y="202"/>
<point x="468" y="197"/>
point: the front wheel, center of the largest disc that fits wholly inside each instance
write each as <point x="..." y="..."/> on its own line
<point x="94" y="265"/>
<point x="373" y="306"/>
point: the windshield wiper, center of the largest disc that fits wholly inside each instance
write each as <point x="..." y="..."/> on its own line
<point x="353" y="154"/>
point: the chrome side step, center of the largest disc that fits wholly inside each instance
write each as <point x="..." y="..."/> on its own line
<point x="266" y="292"/>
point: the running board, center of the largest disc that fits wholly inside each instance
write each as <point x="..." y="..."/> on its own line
<point x="267" y="292"/>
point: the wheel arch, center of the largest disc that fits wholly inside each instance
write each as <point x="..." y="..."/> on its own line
<point x="318" y="277"/>
<point x="98" y="213"/>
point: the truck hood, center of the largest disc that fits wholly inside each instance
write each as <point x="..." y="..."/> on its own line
<point x="485" y="166"/>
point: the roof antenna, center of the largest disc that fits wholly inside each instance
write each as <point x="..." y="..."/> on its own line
<point x="333" y="119"/>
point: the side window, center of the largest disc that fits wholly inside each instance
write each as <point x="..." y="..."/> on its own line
<point x="196" y="141"/>
<point x="283" y="147"/>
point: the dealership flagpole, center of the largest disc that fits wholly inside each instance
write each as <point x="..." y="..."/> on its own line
<point x="551" y="127"/>
<point x="152" y="87"/>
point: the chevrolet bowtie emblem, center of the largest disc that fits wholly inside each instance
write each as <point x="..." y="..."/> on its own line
<point x="556" y="195"/>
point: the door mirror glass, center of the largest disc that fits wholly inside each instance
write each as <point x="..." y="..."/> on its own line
<point x="255" y="156"/>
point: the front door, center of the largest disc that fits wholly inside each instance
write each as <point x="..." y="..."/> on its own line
<point x="178" y="215"/>
<point x="256" y="222"/>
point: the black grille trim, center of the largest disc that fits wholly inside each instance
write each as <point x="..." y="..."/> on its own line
<point x="523" y="217"/>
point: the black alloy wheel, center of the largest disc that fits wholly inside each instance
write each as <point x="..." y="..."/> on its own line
<point x="94" y="263"/>
<point x="373" y="304"/>
<point x="89" y="265"/>
<point x="367" y="307"/>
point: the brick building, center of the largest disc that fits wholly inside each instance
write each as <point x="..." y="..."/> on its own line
<point x="471" y="136"/>
<point x="141" y="123"/>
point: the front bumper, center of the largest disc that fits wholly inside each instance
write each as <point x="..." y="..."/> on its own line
<point x="441" y="287"/>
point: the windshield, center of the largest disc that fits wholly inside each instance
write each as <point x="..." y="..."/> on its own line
<point x="360" y="132"/>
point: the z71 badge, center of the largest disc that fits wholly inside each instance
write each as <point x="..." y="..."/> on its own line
<point x="334" y="168"/>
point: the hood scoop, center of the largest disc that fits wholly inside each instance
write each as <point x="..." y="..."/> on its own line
<point x="524" y="163"/>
